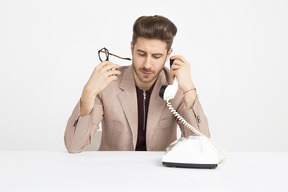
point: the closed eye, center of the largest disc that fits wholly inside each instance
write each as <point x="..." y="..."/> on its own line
<point x="157" y="56"/>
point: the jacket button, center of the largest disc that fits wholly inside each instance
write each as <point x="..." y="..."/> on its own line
<point x="75" y="122"/>
<point x="198" y="119"/>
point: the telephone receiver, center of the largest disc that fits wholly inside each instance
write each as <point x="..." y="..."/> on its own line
<point x="196" y="151"/>
<point x="168" y="92"/>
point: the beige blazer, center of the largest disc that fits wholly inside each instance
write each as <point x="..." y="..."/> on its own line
<point x="116" y="108"/>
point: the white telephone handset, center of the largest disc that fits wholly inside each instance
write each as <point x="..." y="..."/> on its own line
<point x="197" y="151"/>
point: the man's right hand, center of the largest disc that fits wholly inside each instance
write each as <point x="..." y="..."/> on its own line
<point x="102" y="76"/>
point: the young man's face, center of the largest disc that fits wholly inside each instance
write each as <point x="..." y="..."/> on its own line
<point x="149" y="57"/>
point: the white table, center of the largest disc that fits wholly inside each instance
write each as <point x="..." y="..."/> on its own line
<point x="137" y="171"/>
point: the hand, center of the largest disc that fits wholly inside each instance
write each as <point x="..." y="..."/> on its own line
<point x="102" y="76"/>
<point x="181" y="69"/>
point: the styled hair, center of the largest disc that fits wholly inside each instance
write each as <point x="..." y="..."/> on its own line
<point x="154" y="27"/>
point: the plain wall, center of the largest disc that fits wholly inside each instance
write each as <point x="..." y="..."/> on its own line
<point x="237" y="51"/>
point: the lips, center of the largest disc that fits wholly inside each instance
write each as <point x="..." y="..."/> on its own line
<point x="146" y="73"/>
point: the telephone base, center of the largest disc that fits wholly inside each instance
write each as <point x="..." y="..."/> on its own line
<point x="190" y="165"/>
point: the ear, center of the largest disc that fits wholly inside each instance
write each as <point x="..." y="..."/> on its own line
<point x="132" y="47"/>
<point x="169" y="54"/>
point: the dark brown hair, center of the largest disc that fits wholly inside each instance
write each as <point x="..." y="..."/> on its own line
<point x="154" y="27"/>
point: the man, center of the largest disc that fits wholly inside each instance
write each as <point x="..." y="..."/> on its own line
<point x="127" y="100"/>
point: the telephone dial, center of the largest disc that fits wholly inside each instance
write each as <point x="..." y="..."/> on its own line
<point x="196" y="151"/>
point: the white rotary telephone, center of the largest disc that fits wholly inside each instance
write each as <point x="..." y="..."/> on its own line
<point x="196" y="151"/>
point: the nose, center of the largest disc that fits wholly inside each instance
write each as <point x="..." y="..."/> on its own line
<point x="147" y="62"/>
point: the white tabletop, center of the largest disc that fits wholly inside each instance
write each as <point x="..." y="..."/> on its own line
<point x="137" y="171"/>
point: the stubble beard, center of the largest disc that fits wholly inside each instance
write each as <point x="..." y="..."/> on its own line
<point x="146" y="70"/>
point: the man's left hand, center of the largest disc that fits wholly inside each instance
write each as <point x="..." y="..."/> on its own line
<point x="181" y="69"/>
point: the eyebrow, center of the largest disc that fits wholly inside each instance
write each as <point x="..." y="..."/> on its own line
<point x="158" y="54"/>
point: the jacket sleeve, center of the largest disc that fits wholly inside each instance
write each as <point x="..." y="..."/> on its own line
<point x="79" y="130"/>
<point x="194" y="117"/>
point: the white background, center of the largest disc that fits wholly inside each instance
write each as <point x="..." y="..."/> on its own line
<point x="237" y="51"/>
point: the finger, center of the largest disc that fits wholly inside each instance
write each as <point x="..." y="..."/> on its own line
<point x="178" y="57"/>
<point x="176" y="66"/>
<point x="172" y="74"/>
<point x="178" y="63"/>
<point x="103" y="64"/>
<point x="110" y="67"/>
<point x="113" y="73"/>
<point x="112" y="78"/>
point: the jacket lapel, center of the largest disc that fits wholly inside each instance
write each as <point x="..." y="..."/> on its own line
<point x="156" y="107"/>
<point x="128" y="101"/>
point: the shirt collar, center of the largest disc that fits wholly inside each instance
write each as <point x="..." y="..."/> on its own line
<point x="149" y="91"/>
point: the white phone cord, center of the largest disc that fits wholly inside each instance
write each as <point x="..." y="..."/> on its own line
<point x="178" y="116"/>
